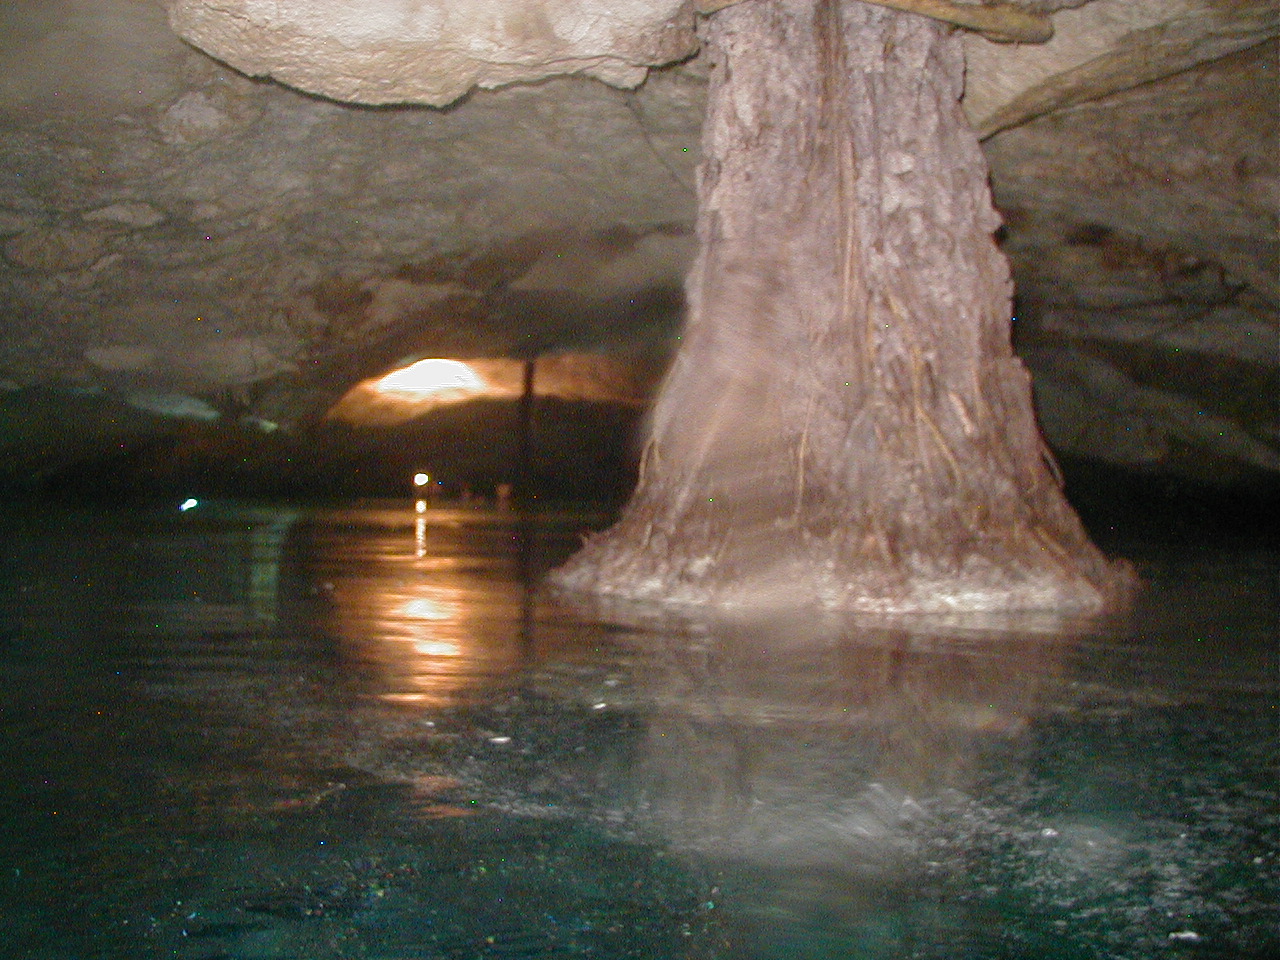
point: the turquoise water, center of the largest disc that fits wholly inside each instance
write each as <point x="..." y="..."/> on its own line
<point x="239" y="732"/>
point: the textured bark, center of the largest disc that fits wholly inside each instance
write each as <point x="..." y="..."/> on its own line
<point x="845" y="422"/>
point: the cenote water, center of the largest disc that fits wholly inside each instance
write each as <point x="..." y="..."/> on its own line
<point x="251" y="732"/>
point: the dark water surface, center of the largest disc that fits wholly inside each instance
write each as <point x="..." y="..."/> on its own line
<point x="353" y="733"/>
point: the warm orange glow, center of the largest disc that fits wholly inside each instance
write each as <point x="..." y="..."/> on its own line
<point x="426" y="608"/>
<point x="427" y="627"/>
<point x="439" y="380"/>
<point x="411" y="391"/>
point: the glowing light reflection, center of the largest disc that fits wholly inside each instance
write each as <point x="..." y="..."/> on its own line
<point x="436" y="648"/>
<point x="435" y="630"/>
<point x="424" y="608"/>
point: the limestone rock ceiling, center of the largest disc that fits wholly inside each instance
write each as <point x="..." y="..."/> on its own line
<point x="435" y="51"/>
<point x="172" y="228"/>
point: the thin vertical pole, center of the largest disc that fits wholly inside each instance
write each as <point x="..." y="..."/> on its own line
<point x="524" y="497"/>
<point x="524" y="434"/>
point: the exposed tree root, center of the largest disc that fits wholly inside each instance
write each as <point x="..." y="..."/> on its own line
<point x="845" y="425"/>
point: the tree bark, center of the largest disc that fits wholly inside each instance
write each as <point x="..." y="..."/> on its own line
<point x="845" y="422"/>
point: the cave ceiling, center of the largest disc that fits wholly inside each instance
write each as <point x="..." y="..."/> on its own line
<point x="251" y="205"/>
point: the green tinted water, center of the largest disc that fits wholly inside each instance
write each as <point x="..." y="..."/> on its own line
<point x="251" y="733"/>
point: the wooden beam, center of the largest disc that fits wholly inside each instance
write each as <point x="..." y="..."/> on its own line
<point x="1002" y="22"/>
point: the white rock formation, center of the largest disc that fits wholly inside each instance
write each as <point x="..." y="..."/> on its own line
<point x="435" y="51"/>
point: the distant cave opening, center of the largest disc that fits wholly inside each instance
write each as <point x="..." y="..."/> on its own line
<point x="845" y="422"/>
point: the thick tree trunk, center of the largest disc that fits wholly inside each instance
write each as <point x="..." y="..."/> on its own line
<point x="845" y="422"/>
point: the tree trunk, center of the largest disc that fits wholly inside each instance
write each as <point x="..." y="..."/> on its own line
<point x="845" y="422"/>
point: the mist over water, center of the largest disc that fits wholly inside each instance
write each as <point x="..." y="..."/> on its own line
<point x="244" y="732"/>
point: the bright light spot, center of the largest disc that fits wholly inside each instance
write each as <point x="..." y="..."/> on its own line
<point x="432" y="379"/>
<point x="420" y="506"/>
<point x="188" y="503"/>
<point x="436" y="648"/>
<point x="425" y="608"/>
<point x="404" y="698"/>
<point x="421" y="479"/>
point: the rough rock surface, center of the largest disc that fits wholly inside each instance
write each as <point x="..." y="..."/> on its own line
<point x="1146" y="227"/>
<point x="189" y="242"/>
<point x="435" y="51"/>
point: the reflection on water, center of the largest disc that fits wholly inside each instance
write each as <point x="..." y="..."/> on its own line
<point x="893" y="793"/>
<point x="234" y="732"/>
<point x="426" y="600"/>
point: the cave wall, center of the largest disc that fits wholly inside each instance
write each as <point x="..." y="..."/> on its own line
<point x="1143" y="230"/>
<point x="182" y="244"/>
